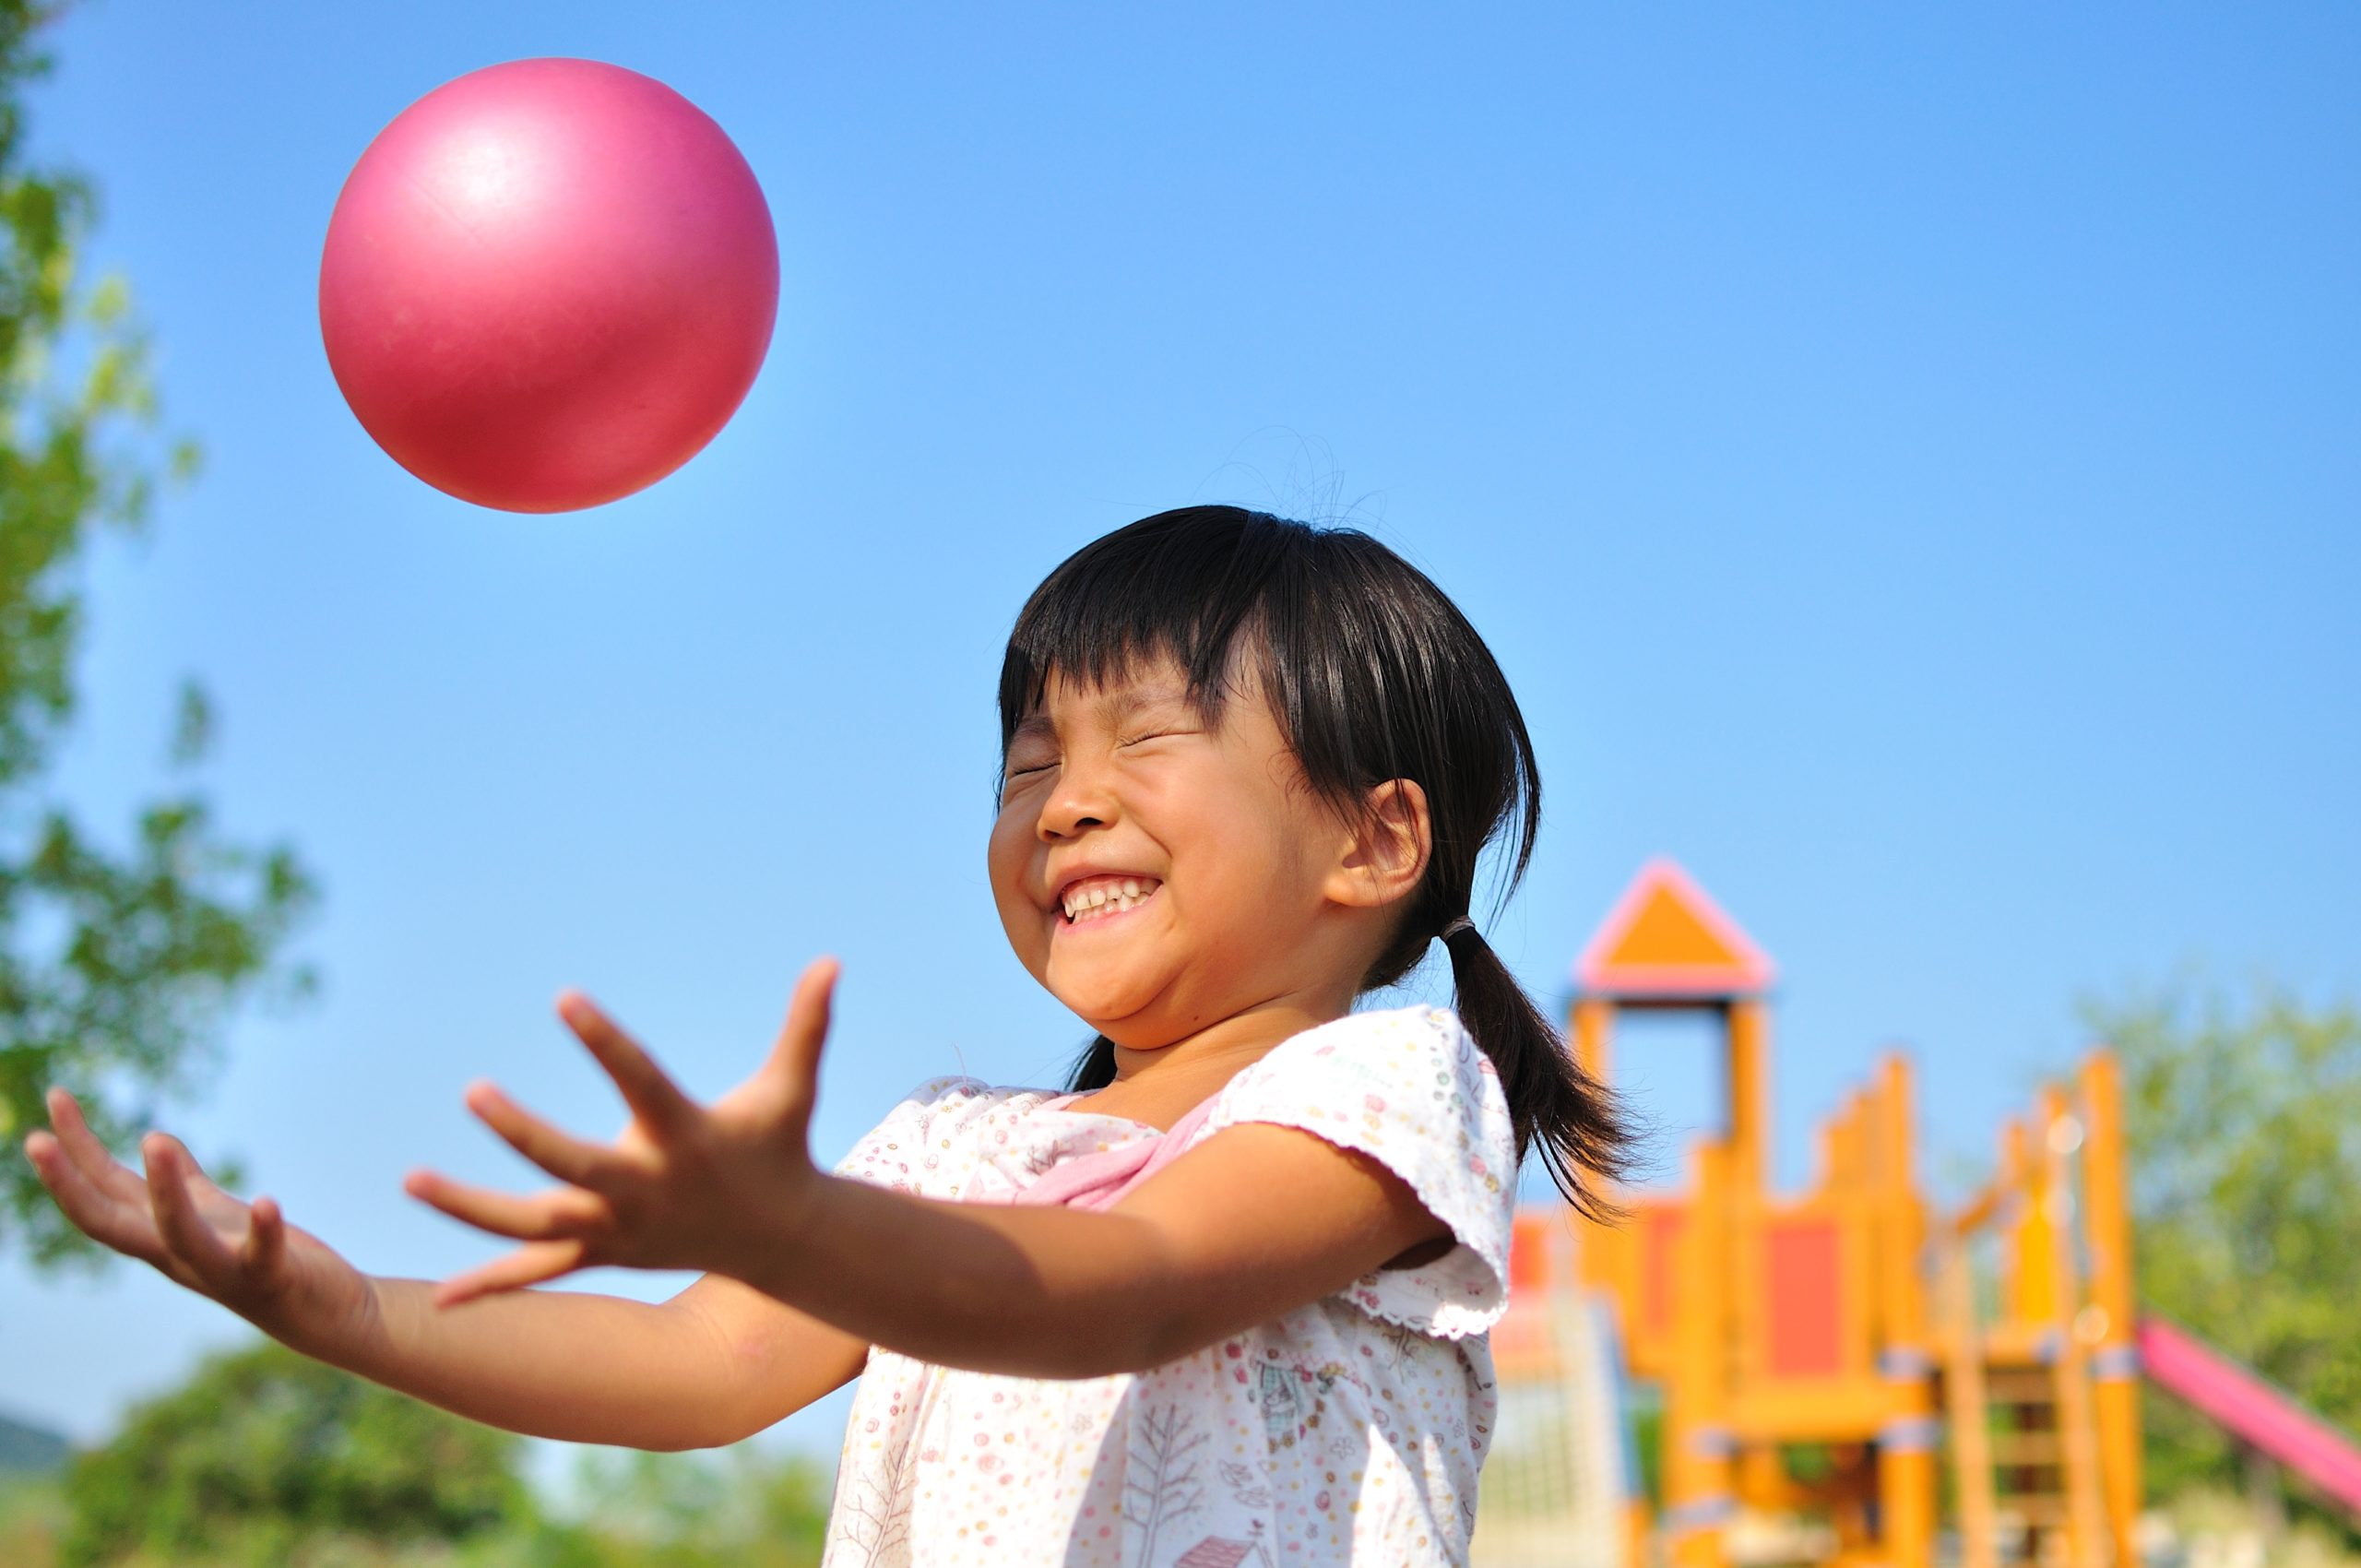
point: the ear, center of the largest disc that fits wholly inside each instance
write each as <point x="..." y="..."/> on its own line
<point x="1386" y="849"/>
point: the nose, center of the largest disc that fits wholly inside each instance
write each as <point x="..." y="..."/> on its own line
<point x="1080" y="802"/>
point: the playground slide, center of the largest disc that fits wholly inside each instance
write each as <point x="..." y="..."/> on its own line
<point x="2251" y="1410"/>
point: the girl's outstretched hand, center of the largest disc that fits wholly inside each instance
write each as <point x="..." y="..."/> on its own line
<point x="285" y="1281"/>
<point x="683" y="1184"/>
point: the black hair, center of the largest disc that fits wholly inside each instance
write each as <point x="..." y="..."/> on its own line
<point x="1372" y="675"/>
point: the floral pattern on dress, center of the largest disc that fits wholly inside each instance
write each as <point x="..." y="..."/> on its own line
<point x="1350" y="1429"/>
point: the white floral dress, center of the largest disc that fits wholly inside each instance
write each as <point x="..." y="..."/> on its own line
<point x="1350" y="1430"/>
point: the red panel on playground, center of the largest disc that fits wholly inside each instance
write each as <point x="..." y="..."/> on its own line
<point x="1531" y="1264"/>
<point x="1804" y="1287"/>
<point x="1659" y="1268"/>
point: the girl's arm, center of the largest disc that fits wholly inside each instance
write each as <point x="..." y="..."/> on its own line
<point x="1254" y="1222"/>
<point x="1260" y="1219"/>
<point x="716" y="1363"/>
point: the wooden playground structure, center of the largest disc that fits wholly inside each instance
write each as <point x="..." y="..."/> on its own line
<point x="1849" y="1375"/>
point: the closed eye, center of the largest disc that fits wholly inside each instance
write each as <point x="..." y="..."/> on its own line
<point x="1011" y="777"/>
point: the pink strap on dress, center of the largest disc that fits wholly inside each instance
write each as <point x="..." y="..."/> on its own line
<point x="1100" y="1181"/>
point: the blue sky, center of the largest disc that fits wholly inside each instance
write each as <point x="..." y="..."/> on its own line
<point x="1908" y="465"/>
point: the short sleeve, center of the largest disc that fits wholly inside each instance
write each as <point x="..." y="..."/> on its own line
<point x="1409" y="1089"/>
<point x="922" y="1145"/>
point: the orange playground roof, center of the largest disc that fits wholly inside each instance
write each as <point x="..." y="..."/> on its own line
<point x="1666" y="938"/>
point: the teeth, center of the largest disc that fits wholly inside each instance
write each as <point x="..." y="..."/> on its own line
<point x="1111" y="896"/>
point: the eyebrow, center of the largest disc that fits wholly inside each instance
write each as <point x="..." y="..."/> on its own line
<point x="1124" y="702"/>
<point x="1113" y="705"/>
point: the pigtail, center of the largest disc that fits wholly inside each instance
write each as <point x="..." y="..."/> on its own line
<point x="1574" y="1122"/>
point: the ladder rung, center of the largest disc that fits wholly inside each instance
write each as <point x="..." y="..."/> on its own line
<point x="2019" y="1386"/>
<point x="2034" y="1507"/>
<point x="2026" y="1448"/>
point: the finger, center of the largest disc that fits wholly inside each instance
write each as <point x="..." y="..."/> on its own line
<point x="534" y="1264"/>
<point x="127" y="1228"/>
<point x="566" y="1213"/>
<point x="88" y="1155"/>
<point x="190" y="1240"/>
<point x="265" y="1246"/>
<point x="653" y="1098"/>
<point x="216" y="1205"/>
<point x="792" y="1073"/>
<point x="560" y="1152"/>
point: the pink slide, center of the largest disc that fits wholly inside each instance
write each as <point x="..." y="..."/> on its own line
<point x="2251" y="1409"/>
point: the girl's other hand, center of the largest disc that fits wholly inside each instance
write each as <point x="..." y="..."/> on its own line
<point x="284" y="1281"/>
<point x="684" y="1186"/>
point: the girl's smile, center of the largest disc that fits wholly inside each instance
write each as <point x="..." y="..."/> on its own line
<point x="1092" y="899"/>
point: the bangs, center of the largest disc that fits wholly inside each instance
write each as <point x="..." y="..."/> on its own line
<point x="1181" y="587"/>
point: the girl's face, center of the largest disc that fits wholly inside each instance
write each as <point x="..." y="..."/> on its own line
<point x="1159" y="874"/>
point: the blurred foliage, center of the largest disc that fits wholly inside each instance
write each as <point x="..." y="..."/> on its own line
<point x="264" y="1450"/>
<point x="266" y="1458"/>
<point x="738" y="1507"/>
<point x="2210" y="1528"/>
<point x="32" y="1520"/>
<point x="117" y="965"/>
<point x="2242" y="1119"/>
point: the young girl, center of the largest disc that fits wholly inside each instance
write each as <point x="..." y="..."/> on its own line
<point x="1224" y="1301"/>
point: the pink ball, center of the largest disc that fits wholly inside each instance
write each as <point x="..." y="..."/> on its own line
<point x="547" y="284"/>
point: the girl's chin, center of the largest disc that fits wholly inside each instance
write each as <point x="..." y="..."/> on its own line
<point x="1116" y="1020"/>
<point x="1103" y="1004"/>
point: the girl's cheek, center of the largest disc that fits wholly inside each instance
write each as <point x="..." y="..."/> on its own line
<point x="1004" y="869"/>
<point x="1011" y="833"/>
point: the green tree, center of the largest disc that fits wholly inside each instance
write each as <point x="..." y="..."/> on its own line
<point x="736" y="1509"/>
<point x="266" y="1457"/>
<point x="117" y="966"/>
<point x="2242" y="1119"/>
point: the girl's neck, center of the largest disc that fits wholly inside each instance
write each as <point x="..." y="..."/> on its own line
<point x="1160" y="1085"/>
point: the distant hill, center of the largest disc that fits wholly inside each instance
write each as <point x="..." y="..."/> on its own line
<point x="29" y="1448"/>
